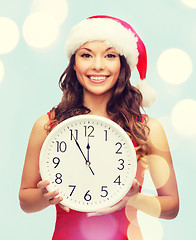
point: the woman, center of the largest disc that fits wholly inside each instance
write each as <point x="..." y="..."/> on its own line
<point x="103" y="51"/>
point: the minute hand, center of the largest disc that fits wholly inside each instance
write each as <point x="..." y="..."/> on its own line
<point x="87" y="162"/>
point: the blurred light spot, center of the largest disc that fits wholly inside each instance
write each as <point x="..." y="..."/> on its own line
<point x="159" y="170"/>
<point x="189" y="3"/>
<point x="58" y="9"/>
<point x="174" y="66"/>
<point x="184" y="117"/>
<point x="90" y="228"/>
<point x="151" y="227"/>
<point x="40" y="30"/>
<point x="2" y="71"/>
<point x="9" y="35"/>
<point x="133" y="231"/>
<point x="147" y="204"/>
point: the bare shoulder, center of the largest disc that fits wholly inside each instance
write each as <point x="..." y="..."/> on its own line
<point x="41" y="122"/>
<point x="157" y="137"/>
<point x="39" y="132"/>
<point x="154" y="125"/>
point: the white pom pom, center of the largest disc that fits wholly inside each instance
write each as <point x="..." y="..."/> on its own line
<point x="149" y="94"/>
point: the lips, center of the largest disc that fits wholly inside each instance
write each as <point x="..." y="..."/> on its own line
<point x="97" y="78"/>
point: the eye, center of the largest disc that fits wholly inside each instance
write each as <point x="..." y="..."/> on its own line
<point x="110" y="55"/>
<point x="86" y="55"/>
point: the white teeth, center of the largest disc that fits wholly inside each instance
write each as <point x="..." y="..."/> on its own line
<point x="98" y="78"/>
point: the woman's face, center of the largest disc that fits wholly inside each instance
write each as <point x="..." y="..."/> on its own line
<point x="97" y="67"/>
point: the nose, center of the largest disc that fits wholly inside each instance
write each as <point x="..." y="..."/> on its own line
<point x="98" y="63"/>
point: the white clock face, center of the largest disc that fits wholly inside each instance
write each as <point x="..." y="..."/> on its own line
<point x="90" y="160"/>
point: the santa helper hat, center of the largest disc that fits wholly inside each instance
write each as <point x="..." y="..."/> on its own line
<point x="120" y="35"/>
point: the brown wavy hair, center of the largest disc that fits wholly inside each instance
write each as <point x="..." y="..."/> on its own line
<point x="123" y="107"/>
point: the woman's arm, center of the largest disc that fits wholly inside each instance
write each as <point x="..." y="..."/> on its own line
<point x="166" y="204"/>
<point x="33" y="195"/>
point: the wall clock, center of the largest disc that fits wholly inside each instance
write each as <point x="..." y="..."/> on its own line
<point x="90" y="160"/>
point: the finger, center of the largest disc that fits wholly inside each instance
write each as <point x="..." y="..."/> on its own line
<point x="50" y="195"/>
<point x="99" y="213"/>
<point x="135" y="183"/>
<point x="94" y="214"/>
<point x="135" y="188"/>
<point x="64" y="207"/>
<point x="55" y="200"/>
<point x="103" y="211"/>
<point x="43" y="184"/>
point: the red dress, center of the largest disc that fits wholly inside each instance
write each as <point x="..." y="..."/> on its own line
<point x="77" y="226"/>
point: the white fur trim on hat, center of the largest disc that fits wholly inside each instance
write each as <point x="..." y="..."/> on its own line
<point x="104" y="29"/>
<point x="149" y="95"/>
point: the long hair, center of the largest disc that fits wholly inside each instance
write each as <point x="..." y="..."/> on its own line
<point x="123" y="106"/>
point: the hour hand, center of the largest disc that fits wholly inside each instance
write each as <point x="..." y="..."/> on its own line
<point x="88" y="152"/>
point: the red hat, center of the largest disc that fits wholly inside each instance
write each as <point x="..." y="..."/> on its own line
<point x="120" y="35"/>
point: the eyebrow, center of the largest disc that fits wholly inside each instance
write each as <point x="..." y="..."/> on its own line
<point x="92" y="50"/>
<point x="86" y="49"/>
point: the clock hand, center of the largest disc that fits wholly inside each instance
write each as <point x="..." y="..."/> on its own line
<point x="88" y="147"/>
<point x="87" y="162"/>
<point x="80" y="149"/>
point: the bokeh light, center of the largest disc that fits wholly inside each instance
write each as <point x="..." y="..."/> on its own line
<point x="9" y="35"/>
<point x="189" y="3"/>
<point x="184" y="117"/>
<point x="159" y="170"/>
<point x="40" y="30"/>
<point x="107" y="223"/>
<point x="58" y="9"/>
<point x="174" y="66"/>
<point x="151" y="227"/>
<point x="146" y="203"/>
<point x="2" y="71"/>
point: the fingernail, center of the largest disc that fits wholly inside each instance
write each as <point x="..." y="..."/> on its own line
<point x="56" y="193"/>
<point x="89" y="214"/>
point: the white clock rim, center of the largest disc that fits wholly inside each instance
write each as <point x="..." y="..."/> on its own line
<point x="87" y="117"/>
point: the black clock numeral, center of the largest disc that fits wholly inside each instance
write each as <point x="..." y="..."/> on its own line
<point x="104" y="191"/>
<point x="106" y="135"/>
<point x="61" y="146"/>
<point x="121" y="164"/>
<point x="72" y="186"/>
<point x="74" y="134"/>
<point x="117" y="180"/>
<point x="88" y="131"/>
<point x="119" y="144"/>
<point x="58" y="179"/>
<point x="56" y="161"/>
<point x="87" y="196"/>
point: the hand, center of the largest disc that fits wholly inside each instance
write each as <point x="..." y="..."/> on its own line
<point x="51" y="197"/>
<point x="121" y="204"/>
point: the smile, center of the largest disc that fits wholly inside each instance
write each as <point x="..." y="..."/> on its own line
<point x="97" y="78"/>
